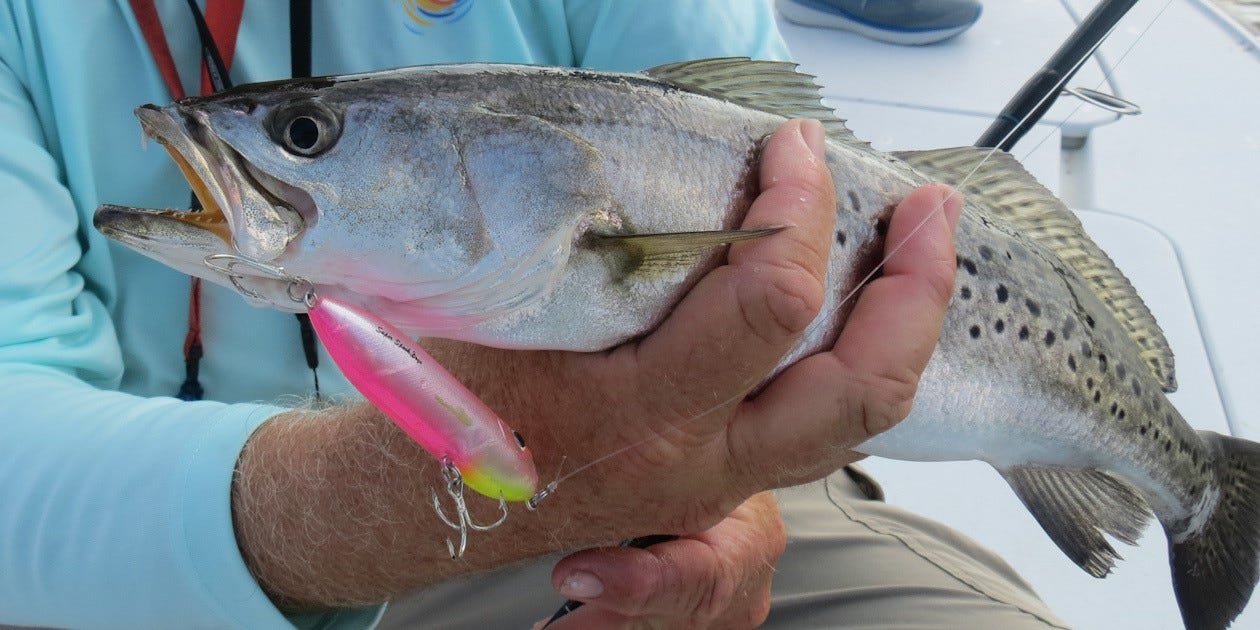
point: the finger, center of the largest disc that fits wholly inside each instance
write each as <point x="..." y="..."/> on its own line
<point x="908" y="302"/>
<point x="591" y="617"/>
<point x="667" y="579"/>
<point x="701" y="577"/>
<point x="745" y="315"/>
<point x="836" y="400"/>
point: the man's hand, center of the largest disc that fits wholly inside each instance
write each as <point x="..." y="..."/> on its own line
<point x="673" y="407"/>
<point x="331" y="508"/>
<point x="718" y="578"/>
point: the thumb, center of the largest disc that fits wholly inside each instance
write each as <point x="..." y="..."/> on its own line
<point x="743" y="317"/>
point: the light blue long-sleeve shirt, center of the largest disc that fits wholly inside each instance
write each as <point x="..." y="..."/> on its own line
<point x="115" y="503"/>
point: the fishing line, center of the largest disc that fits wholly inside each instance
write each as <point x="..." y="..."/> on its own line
<point x="551" y="487"/>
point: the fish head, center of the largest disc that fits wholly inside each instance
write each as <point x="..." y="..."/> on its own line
<point x="370" y="188"/>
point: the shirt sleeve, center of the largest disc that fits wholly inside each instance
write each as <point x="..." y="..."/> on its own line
<point x="632" y="36"/>
<point x="115" y="510"/>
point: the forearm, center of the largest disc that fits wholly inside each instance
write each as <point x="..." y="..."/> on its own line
<point x="333" y="508"/>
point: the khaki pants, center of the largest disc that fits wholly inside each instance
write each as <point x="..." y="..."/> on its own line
<point x="851" y="562"/>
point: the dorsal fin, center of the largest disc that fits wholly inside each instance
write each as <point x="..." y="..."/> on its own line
<point x="769" y="86"/>
<point x="1014" y="196"/>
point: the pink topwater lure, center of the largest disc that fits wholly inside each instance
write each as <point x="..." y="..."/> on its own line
<point x="420" y="396"/>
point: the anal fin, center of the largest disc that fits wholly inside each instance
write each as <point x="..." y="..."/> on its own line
<point x="1076" y="507"/>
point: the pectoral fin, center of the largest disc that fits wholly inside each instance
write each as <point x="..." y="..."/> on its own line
<point x="667" y="252"/>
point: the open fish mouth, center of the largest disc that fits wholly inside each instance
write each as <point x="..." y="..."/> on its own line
<point x="253" y="213"/>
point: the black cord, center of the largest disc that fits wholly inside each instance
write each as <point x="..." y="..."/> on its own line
<point x="219" y="79"/>
<point x="300" y="66"/>
<point x="300" y="49"/>
<point x="300" y="37"/>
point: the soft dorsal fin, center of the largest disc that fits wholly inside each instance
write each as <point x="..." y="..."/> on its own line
<point x="1014" y="196"/>
<point x="769" y="86"/>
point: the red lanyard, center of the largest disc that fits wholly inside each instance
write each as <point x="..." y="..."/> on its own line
<point x="223" y="17"/>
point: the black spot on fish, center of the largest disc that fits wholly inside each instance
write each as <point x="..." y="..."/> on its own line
<point x="1137" y="388"/>
<point x="1008" y="256"/>
<point x="986" y="253"/>
<point x="881" y="227"/>
<point x="1002" y="293"/>
<point x="1120" y="415"/>
<point x="1167" y="446"/>
<point x="1114" y="408"/>
<point x="1049" y="338"/>
<point x="1072" y="363"/>
<point x="1033" y="308"/>
<point x="1156" y="433"/>
<point x="999" y="325"/>
<point x="840" y="237"/>
<point x="965" y="292"/>
<point x="975" y="332"/>
<point x="1120" y="371"/>
<point x="969" y="266"/>
<point x="1089" y="321"/>
<point x="1097" y="395"/>
<point x="1142" y="430"/>
<point x="854" y="202"/>
<point x="1102" y="362"/>
<point x="1068" y="327"/>
<point x="1023" y="333"/>
<point x="1086" y="350"/>
<point x="1089" y="382"/>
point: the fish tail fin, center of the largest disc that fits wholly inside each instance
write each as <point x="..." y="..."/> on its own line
<point x="1215" y="566"/>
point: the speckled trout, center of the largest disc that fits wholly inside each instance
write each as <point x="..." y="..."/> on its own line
<point x="529" y="207"/>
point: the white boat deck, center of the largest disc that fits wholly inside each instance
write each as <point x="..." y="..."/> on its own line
<point x="1171" y="194"/>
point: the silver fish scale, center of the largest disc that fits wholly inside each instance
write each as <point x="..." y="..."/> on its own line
<point x="1026" y="347"/>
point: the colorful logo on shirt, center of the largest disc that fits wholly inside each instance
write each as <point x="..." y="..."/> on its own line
<point x="425" y="13"/>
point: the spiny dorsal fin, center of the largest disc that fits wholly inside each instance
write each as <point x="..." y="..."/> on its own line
<point x="669" y="251"/>
<point x="770" y="86"/>
<point x="1013" y="195"/>
<point x="1075" y="507"/>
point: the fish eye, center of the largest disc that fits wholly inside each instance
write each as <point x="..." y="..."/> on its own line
<point x="520" y="441"/>
<point x="303" y="133"/>
<point x="306" y="129"/>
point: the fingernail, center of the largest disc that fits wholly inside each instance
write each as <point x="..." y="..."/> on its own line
<point x="814" y="137"/>
<point x="581" y="585"/>
<point x="951" y="219"/>
<point x="540" y="624"/>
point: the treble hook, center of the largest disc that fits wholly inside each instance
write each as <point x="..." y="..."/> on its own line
<point x="226" y="264"/>
<point x="455" y="488"/>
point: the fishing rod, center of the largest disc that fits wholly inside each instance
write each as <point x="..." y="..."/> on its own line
<point x="1041" y="90"/>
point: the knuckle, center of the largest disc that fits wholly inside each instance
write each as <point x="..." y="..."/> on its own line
<point x="717" y="593"/>
<point x="758" y="609"/>
<point x="883" y="400"/>
<point x="645" y="587"/>
<point x="788" y="300"/>
<point x="939" y="283"/>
